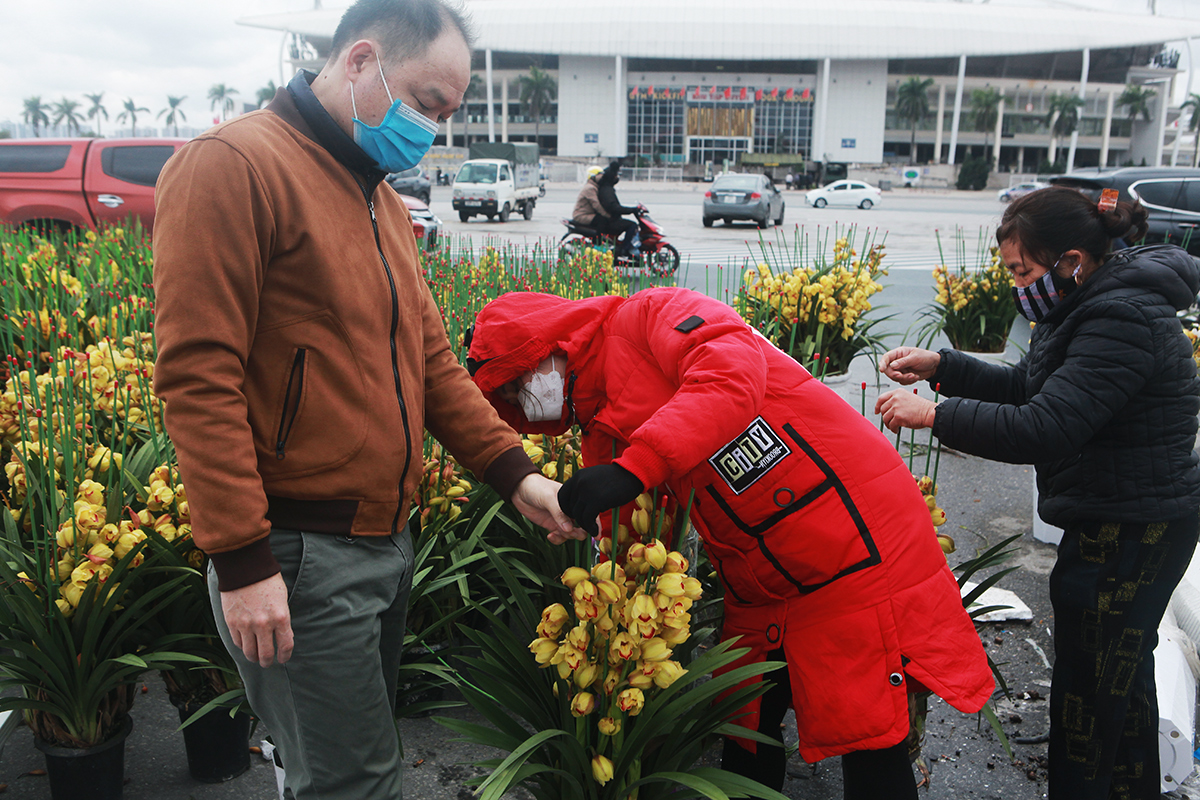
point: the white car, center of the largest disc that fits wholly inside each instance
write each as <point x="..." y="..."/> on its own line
<point x="845" y="193"/>
<point x="1020" y="190"/>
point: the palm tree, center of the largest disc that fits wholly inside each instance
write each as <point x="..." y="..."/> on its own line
<point x="1062" y="119"/>
<point x="130" y="113"/>
<point x="912" y="106"/>
<point x="222" y="95"/>
<point x="35" y="113"/>
<point x="67" y="111"/>
<point x="474" y="89"/>
<point x="174" y="113"/>
<point x="1193" y="105"/>
<point x="265" y="94"/>
<point x="1137" y="99"/>
<point x="538" y="91"/>
<point x="96" y="109"/>
<point x="985" y="108"/>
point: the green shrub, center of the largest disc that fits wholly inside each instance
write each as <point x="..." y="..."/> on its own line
<point x="973" y="174"/>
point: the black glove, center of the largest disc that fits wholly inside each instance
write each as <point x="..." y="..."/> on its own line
<point x="594" y="490"/>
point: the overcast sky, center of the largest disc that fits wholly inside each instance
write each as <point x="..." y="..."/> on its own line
<point x="148" y="49"/>
<point x="143" y="49"/>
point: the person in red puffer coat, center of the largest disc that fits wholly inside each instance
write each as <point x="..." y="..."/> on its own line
<point x="817" y="530"/>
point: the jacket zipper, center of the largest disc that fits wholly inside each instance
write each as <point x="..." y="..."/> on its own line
<point x="289" y="418"/>
<point x="387" y="271"/>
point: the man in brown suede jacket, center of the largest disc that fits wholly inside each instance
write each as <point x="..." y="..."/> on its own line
<point x="301" y="358"/>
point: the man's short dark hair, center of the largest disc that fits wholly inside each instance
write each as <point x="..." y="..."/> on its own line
<point x="405" y="28"/>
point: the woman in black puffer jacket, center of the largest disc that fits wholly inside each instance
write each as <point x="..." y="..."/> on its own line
<point x="1104" y="405"/>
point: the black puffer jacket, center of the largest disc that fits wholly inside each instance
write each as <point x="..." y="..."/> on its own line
<point x="1105" y="402"/>
<point x="607" y="192"/>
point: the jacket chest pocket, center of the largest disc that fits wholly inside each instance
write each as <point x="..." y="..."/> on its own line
<point x="796" y="517"/>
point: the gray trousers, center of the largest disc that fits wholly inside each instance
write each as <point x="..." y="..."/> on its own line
<point x="330" y="707"/>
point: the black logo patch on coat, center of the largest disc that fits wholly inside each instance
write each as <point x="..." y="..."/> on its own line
<point x="752" y="454"/>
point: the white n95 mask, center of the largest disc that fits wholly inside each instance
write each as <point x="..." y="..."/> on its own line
<point x="542" y="400"/>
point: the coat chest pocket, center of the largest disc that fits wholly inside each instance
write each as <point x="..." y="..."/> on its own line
<point x="779" y="499"/>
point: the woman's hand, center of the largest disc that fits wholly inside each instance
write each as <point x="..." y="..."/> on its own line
<point x="907" y="365"/>
<point x="901" y="408"/>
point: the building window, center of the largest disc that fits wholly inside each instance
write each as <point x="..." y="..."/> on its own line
<point x="712" y="123"/>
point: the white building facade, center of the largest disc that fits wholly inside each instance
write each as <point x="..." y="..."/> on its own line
<point x="684" y="82"/>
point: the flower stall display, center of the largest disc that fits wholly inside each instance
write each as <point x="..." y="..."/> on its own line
<point x="973" y="305"/>
<point x="77" y="417"/>
<point x="812" y="305"/>
<point x="612" y="684"/>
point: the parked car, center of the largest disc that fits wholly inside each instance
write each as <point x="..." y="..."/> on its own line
<point x="1020" y="190"/>
<point x="845" y="193"/>
<point x="426" y="225"/>
<point x="736" y="196"/>
<point x="1171" y="196"/>
<point x="411" y="182"/>
<point x="81" y="183"/>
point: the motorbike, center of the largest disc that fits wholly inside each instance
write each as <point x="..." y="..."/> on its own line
<point x="655" y="252"/>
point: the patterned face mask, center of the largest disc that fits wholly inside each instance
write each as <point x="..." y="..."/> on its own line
<point x="1035" y="300"/>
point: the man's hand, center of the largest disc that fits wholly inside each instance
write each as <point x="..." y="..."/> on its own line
<point x="903" y="409"/>
<point x="259" y="620"/>
<point x="591" y="491"/>
<point x="907" y="365"/>
<point x="536" y="498"/>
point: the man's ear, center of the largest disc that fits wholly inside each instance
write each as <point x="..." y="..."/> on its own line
<point x="360" y="57"/>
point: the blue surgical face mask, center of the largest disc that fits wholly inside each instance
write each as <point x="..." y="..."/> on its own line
<point x="401" y="139"/>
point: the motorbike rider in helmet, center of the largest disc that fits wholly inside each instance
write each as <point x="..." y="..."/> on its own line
<point x="598" y="208"/>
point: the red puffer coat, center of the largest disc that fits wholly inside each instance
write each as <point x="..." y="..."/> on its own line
<point x="817" y="529"/>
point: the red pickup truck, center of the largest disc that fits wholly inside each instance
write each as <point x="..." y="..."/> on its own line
<point x="81" y="183"/>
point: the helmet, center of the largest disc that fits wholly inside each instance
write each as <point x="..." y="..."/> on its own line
<point x="594" y="171"/>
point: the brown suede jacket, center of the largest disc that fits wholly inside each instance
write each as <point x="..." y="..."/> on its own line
<point x="587" y="205"/>
<point x="300" y="353"/>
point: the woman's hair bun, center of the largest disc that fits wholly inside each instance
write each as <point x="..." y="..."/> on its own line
<point x="1127" y="221"/>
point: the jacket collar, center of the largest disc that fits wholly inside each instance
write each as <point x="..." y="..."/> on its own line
<point x="300" y="108"/>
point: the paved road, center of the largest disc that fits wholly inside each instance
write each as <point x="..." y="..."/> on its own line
<point x="713" y="259"/>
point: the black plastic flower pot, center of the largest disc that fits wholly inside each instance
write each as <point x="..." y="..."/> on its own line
<point x="218" y="745"/>
<point x="97" y="772"/>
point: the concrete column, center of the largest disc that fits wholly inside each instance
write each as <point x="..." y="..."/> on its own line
<point x="1021" y="158"/>
<point x="1164" y="99"/>
<point x="1107" y="135"/>
<point x="619" y="98"/>
<point x="504" y="110"/>
<point x="821" y="122"/>
<point x="958" y="93"/>
<point x="941" y="122"/>
<point x="450" y="128"/>
<point x="487" y="61"/>
<point x="1187" y="93"/>
<point x="999" y="131"/>
<point x="1083" y="78"/>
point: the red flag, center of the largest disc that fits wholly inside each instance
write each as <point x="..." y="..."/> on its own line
<point x="775" y="93"/>
<point x="806" y="94"/>
<point x="758" y="95"/>
<point x="728" y="92"/>
<point x="650" y="92"/>
<point x="633" y="93"/>
<point x="789" y="95"/>
<point x="742" y="96"/>
<point x="697" y="93"/>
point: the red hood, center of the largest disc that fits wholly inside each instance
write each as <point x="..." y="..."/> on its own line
<point x="516" y="331"/>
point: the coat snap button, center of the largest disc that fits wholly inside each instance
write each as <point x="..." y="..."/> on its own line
<point x="895" y="679"/>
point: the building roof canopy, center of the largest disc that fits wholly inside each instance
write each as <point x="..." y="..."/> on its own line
<point x="784" y="29"/>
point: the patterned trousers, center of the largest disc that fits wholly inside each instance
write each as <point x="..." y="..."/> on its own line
<point x="1110" y="588"/>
